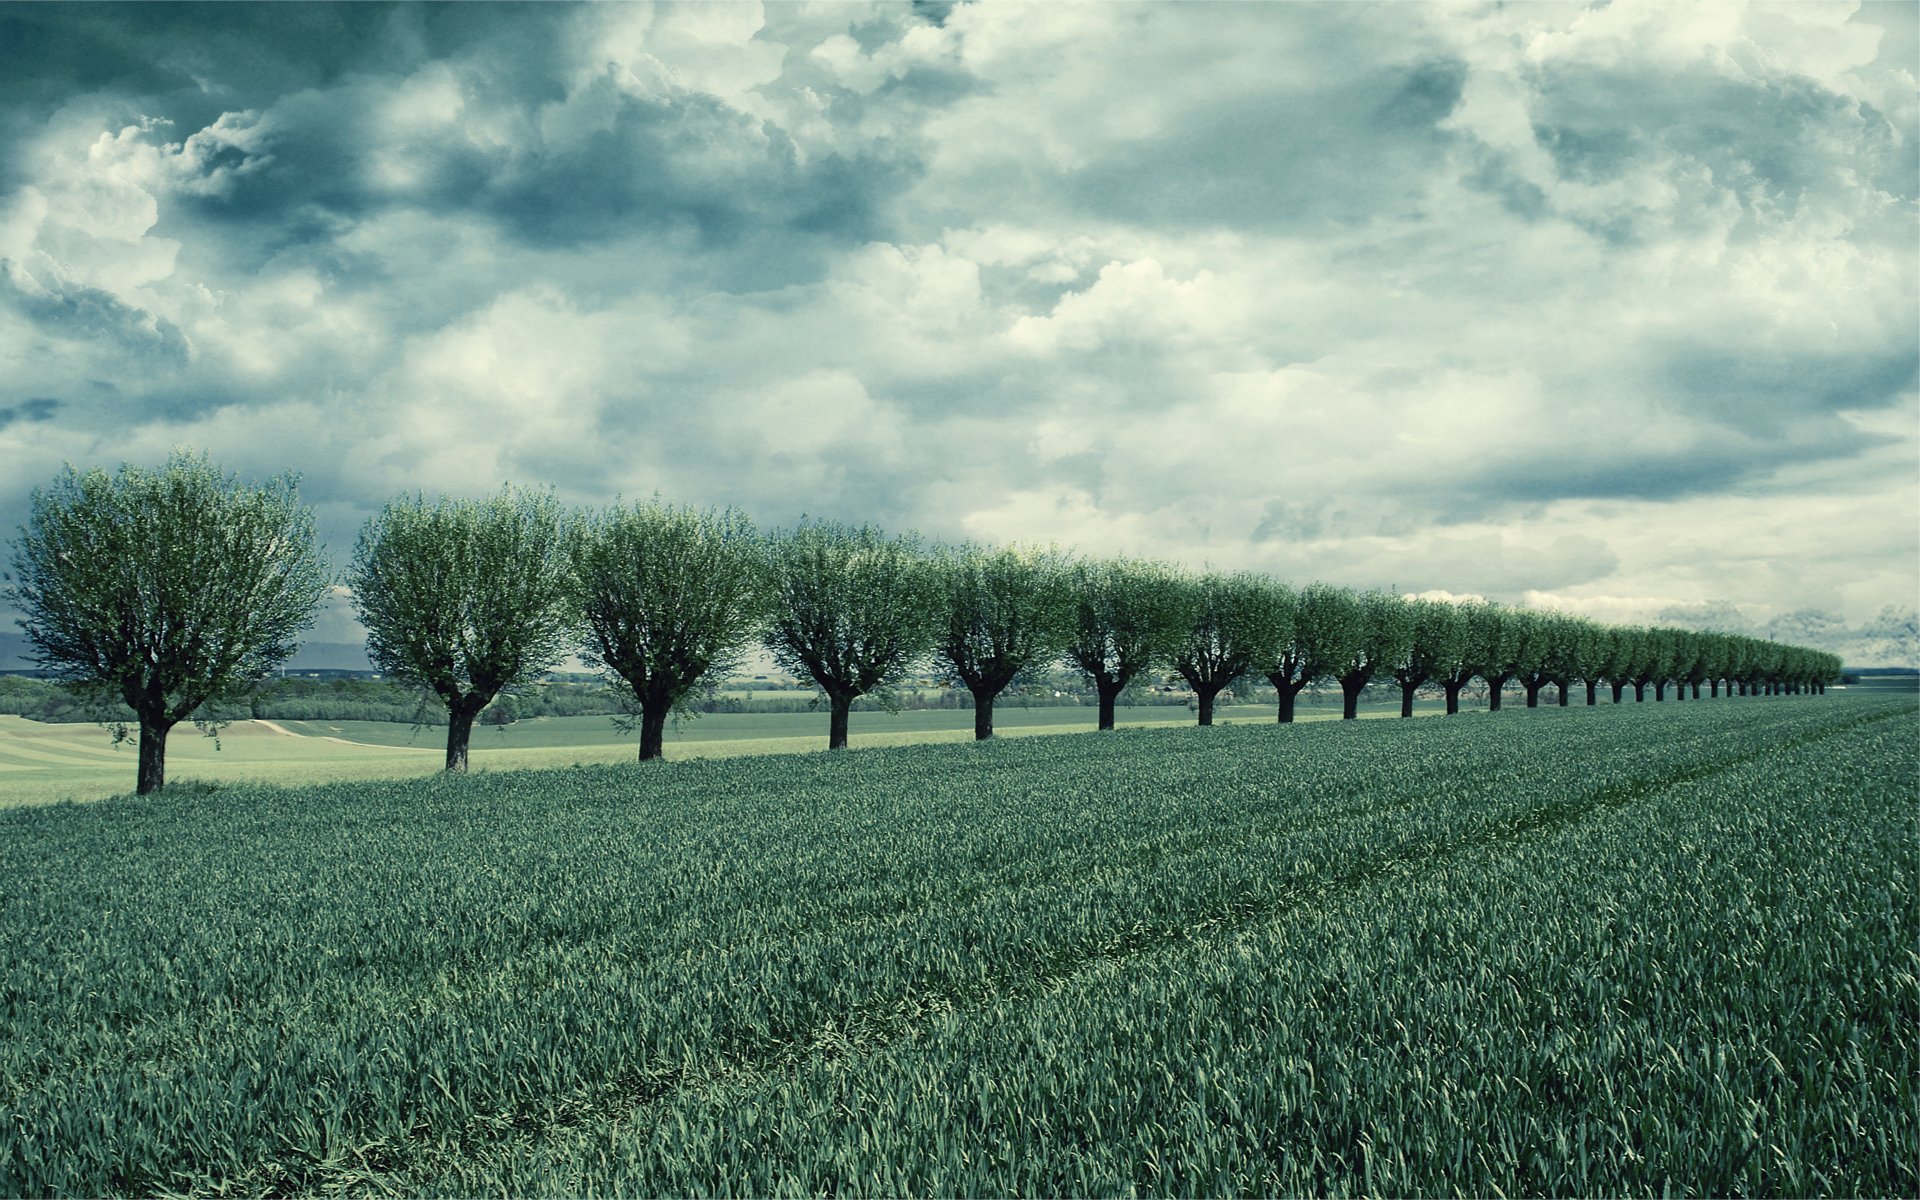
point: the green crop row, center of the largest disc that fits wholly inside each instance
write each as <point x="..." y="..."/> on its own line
<point x="594" y="978"/>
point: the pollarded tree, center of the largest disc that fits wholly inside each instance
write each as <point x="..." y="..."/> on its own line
<point x="1658" y="654"/>
<point x="1005" y="612"/>
<point x="1316" y="639"/>
<point x="1496" y="645"/>
<point x="1382" y="636"/>
<point x="1626" y="646"/>
<point x="1533" y="651"/>
<point x="1480" y="637"/>
<point x="666" y="598"/>
<point x="165" y="589"/>
<point x="1588" y="646"/>
<point x="1227" y="620"/>
<point x="1436" y="651"/>
<point x="851" y="610"/>
<point x="465" y="597"/>
<point x="1126" y="618"/>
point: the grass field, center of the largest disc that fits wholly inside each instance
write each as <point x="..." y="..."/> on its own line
<point x="45" y="763"/>
<point x="1628" y="951"/>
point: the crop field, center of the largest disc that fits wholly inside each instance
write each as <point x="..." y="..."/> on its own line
<point x="41" y="763"/>
<point x="1633" y="950"/>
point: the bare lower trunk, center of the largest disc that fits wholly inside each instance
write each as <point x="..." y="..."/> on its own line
<point x="982" y="714"/>
<point x="1494" y="688"/>
<point x="1696" y="689"/>
<point x="1109" y="695"/>
<point x="653" y="728"/>
<point x="1453" y="695"/>
<point x="1406" y="698"/>
<point x="838" y="706"/>
<point x="1659" y="692"/>
<point x="1639" y="693"/>
<point x="1680" y="691"/>
<point x="153" y="755"/>
<point x="1350" y="689"/>
<point x="1593" y="692"/>
<point x="1205" y="697"/>
<point x="1619" y="689"/>
<point x="1533" y="694"/>
<point x="1713" y="692"/>
<point x="459" y="732"/>
<point x="1563" y="694"/>
<point x="1289" y="697"/>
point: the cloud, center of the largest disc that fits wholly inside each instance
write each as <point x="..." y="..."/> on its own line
<point x="38" y="408"/>
<point x="1596" y="302"/>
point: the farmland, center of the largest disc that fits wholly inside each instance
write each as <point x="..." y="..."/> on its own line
<point x="1620" y="950"/>
<point x="40" y="763"/>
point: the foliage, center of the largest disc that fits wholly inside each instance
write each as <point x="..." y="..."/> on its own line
<point x="1566" y="954"/>
<point x="165" y="590"/>
<point x="464" y="597"/>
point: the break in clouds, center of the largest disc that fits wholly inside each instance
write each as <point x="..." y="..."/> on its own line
<point x="1605" y="307"/>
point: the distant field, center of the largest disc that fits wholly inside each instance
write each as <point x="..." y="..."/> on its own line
<point x="45" y="763"/>
<point x="1639" y="950"/>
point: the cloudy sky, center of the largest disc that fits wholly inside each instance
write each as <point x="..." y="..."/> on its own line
<point x="1606" y="307"/>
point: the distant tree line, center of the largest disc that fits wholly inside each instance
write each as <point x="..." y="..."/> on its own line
<point x="173" y="592"/>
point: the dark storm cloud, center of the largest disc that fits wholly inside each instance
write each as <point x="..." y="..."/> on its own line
<point x="1766" y="393"/>
<point x="37" y="408"/>
<point x="1278" y="160"/>
<point x="67" y="309"/>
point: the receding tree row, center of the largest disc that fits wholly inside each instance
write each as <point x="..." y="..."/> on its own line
<point x="174" y="588"/>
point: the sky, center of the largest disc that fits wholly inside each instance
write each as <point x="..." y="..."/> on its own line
<point x="1609" y="308"/>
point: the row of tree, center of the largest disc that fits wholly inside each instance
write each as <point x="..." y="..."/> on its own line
<point x="171" y="589"/>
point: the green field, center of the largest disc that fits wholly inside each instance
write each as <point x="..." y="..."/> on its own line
<point x="1627" y="951"/>
<point x="42" y="763"/>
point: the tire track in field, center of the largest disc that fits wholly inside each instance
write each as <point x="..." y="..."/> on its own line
<point x="393" y="1170"/>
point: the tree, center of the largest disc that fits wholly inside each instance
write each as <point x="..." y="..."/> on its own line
<point x="1435" y="650"/>
<point x="1004" y="613"/>
<point x="1322" y="630"/>
<point x="1494" y="647"/>
<point x="850" y="609"/>
<point x="465" y="597"/>
<point x="1479" y="635"/>
<point x="1380" y="633"/>
<point x="166" y="590"/>
<point x="1126" y="618"/>
<point x="667" y="597"/>
<point x="1226" y="621"/>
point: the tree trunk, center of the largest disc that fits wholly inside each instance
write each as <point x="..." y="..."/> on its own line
<point x="1696" y="689"/>
<point x="1204" y="698"/>
<point x="1494" y="688"/>
<point x="1286" y="690"/>
<point x="1680" y="690"/>
<point x="460" y="716"/>
<point x="838" y="706"/>
<point x="1406" y="698"/>
<point x="1109" y="695"/>
<point x="1659" y="691"/>
<point x="1713" y="691"/>
<point x="1453" y="695"/>
<point x="1350" y="687"/>
<point x="653" y="728"/>
<point x="153" y="755"/>
<point x="1639" y="692"/>
<point x="1593" y="692"/>
<point x="1619" y="690"/>
<point x="1533" y="693"/>
<point x="982" y="713"/>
